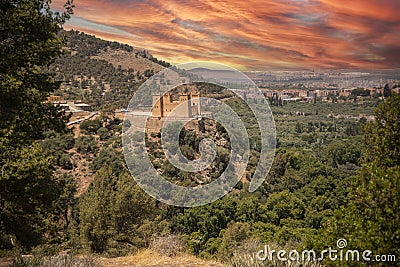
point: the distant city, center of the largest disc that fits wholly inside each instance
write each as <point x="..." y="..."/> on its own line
<point x="338" y="79"/>
<point x="305" y="85"/>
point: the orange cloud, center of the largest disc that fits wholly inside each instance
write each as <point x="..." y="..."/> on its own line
<point x="253" y="34"/>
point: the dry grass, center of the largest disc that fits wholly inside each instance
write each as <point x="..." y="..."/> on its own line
<point x="64" y="260"/>
<point x="70" y="261"/>
<point x="149" y="258"/>
<point x="5" y="262"/>
<point x="169" y="246"/>
<point x="246" y="257"/>
<point x="128" y="60"/>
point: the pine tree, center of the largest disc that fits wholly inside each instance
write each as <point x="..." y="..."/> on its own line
<point x="96" y="212"/>
<point x="387" y="92"/>
<point x="111" y="210"/>
<point x="28" y="189"/>
<point x="370" y="221"/>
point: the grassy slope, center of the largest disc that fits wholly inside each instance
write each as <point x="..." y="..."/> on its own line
<point x="128" y="60"/>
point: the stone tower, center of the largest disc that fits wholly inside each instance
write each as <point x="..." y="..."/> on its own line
<point x="187" y="106"/>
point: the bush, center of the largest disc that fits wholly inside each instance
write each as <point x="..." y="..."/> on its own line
<point x="65" y="162"/>
<point x="54" y="261"/>
<point x="109" y="157"/>
<point x="86" y="144"/>
<point x="56" y="145"/>
<point x="169" y="246"/>
<point x="127" y="124"/>
<point x="90" y="126"/>
<point x="234" y="236"/>
<point x="104" y="133"/>
<point x="111" y="211"/>
<point x="246" y="256"/>
<point x="70" y="261"/>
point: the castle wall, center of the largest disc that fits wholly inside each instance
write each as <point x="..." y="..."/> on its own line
<point x="163" y="106"/>
<point x="157" y="110"/>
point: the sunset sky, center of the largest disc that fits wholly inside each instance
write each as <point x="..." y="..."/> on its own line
<point x="252" y="34"/>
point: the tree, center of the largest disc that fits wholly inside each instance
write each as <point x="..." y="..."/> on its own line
<point x="86" y="144"/>
<point x="29" y="43"/>
<point x="111" y="210"/>
<point x="341" y="153"/>
<point x="234" y="236"/>
<point x="109" y="157"/>
<point x="299" y="128"/>
<point x="28" y="189"/>
<point x="387" y="92"/>
<point x="27" y="193"/>
<point x="360" y="92"/>
<point x="104" y="133"/>
<point x="370" y="220"/>
<point x="91" y="126"/>
<point x="96" y="212"/>
<point x="382" y="139"/>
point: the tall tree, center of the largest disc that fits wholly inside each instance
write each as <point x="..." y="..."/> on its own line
<point x="28" y="30"/>
<point x="111" y="210"/>
<point x="387" y="91"/>
<point x="28" y="188"/>
<point x="371" y="219"/>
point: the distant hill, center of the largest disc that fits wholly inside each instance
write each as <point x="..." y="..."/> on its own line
<point x="221" y="75"/>
<point x="101" y="73"/>
<point x="90" y="45"/>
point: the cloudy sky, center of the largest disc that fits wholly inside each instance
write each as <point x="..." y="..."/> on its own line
<point x="252" y="34"/>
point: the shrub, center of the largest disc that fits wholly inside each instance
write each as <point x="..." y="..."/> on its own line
<point x="109" y="157"/>
<point x="54" y="261"/>
<point x="169" y="246"/>
<point x="90" y="126"/>
<point x="246" y="256"/>
<point x="65" y="162"/>
<point x="86" y="144"/>
<point x="104" y="133"/>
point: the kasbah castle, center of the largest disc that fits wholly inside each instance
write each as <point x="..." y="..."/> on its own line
<point x="187" y="106"/>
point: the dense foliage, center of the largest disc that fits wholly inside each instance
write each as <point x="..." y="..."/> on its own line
<point x="30" y="193"/>
<point x="370" y="218"/>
